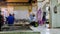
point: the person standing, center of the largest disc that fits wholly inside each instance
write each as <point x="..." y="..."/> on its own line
<point x="1" y="20"/>
<point x="44" y="18"/>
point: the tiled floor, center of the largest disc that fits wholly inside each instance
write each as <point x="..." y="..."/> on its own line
<point x="45" y="30"/>
<point x="41" y="29"/>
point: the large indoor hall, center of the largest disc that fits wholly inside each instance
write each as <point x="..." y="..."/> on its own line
<point x="29" y="16"/>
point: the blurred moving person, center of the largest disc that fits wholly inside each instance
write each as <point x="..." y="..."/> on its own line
<point x="33" y="20"/>
<point x="1" y="20"/>
<point x="44" y="18"/>
<point x="10" y="20"/>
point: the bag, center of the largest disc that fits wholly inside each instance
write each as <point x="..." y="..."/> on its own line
<point x="35" y="24"/>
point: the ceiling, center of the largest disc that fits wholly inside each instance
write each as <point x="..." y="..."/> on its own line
<point x="17" y="0"/>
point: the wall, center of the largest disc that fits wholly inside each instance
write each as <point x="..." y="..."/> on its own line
<point x="58" y="16"/>
<point x="53" y="16"/>
<point x="21" y="12"/>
